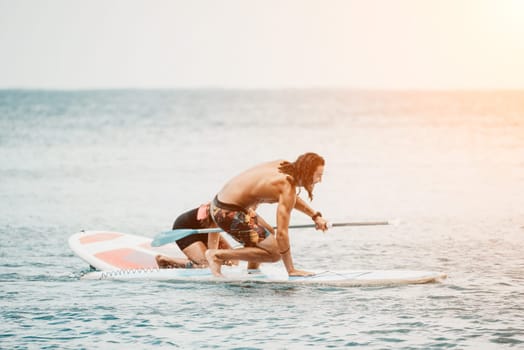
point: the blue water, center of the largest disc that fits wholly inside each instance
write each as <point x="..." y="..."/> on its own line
<point x="447" y="167"/>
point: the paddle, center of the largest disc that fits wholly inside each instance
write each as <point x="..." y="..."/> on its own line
<point x="174" y="235"/>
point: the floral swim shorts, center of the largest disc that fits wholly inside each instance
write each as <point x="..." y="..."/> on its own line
<point x="238" y="222"/>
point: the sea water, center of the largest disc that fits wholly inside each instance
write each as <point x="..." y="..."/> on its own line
<point x="446" y="168"/>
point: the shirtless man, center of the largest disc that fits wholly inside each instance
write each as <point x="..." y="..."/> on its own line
<point x="273" y="182"/>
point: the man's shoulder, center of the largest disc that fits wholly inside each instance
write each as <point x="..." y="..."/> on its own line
<point x="284" y="183"/>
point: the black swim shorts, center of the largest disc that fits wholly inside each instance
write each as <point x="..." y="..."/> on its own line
<point x="189" y="220"/>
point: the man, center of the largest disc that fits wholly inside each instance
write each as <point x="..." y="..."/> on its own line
<point x="274" y="182"/>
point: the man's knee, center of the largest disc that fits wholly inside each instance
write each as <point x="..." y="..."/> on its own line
<point x="269" y="245"/>
<point x="274" y="255"/>
<point x="271" y="253"/>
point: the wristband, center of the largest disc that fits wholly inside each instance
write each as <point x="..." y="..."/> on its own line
<point x="316" y="215"/>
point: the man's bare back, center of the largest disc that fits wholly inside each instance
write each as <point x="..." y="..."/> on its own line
<point x="259" y="184"/>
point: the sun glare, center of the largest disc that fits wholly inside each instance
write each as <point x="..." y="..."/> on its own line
<point x="511" y="17"/>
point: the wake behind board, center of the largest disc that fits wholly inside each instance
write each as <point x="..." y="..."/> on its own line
<point x="122" y="256"/>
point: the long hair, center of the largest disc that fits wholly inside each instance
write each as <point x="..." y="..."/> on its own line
<point x="301" y="170"/>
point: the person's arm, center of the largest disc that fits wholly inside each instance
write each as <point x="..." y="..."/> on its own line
<point x="263" y="223"/>
<point x="320" y="223"/>
<point x="285" y="205"/>
<point x="212" y="240"/>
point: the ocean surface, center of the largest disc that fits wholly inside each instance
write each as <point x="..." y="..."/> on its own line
<point x="446" y="168"/>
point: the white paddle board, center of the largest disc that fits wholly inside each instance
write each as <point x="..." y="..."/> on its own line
<point x="122" y="256"/>
<point x="240" y="274"/>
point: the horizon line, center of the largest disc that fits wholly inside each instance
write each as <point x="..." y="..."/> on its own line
<point x="290" y="88"/>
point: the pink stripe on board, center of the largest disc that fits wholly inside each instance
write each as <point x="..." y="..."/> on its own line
<point x="127" y="258"/>
<point x="99" y="237"/>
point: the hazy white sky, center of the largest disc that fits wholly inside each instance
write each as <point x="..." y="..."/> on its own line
<point x="388" y="44"/>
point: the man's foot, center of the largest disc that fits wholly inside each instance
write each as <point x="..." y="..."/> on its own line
<point x="214" y="263"/>
<point x="165" y="262"/>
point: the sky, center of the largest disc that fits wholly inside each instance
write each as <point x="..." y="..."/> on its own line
<point x="358" y="44"/>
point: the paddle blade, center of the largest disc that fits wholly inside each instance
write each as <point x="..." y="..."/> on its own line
<point x="167" y="237"/>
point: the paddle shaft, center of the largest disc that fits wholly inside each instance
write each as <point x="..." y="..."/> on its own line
<point x="174" y="235"/>
<point x="336" y="224"/>
<point x="340" y="224"/>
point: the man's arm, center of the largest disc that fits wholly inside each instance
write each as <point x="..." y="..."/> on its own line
<point x="286" y="203"/>
<point x="213" y="240"/>
<point x="263" y="223"/>
<point x="302" y="206"/>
